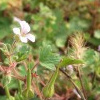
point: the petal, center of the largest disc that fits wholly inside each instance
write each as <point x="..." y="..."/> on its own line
<point x="16" y="31"/>
<point x="75" y="91"/>
<point x="25" y="28"/>
<point x="23" y="39"/>
<point x="99" y="48"/>
<point x="16" y="19"/>
<point x="31" y="37"/>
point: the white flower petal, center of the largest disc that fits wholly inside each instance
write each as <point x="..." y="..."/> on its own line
<point x="25" y="28"/>
<point x="16" y="19"/>
<point x="23" y="39"/>
<point x="16" y="31"/>
<point x="31" y="37"/>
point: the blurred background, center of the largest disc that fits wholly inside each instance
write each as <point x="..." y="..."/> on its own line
<point x="53" y="20"/>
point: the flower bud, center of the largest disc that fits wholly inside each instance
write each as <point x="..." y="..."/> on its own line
<point x="48" y="91"/>
<point x="28" y="93"/>
<point x="19" y="97"/>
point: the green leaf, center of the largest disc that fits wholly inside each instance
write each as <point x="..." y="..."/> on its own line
<point x="69" y="61"/>
<point x="3" y="5"/>
<point x="2" y="97"/>
<point x="21" y="56"/>
<point x="89" y="57"/>
<point x="78" y="24"/>
<point x="13" y="83"/>
<point x="47" y="58"/>
<point x="6" y="80"/>
<point x="5" y="26"/>
<point x="22" y="51"/>
<point x="93" y="40"/>
<point x="22" y="70"/>
<point x="97" y="34"/>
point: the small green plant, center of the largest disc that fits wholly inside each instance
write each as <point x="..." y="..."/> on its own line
<point x="54" y="57"/>
<point x="18" y="57"/>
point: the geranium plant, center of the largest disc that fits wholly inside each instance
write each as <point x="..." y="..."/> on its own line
<point x="19" y="65"/>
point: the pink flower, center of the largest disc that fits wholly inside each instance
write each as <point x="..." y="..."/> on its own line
<point x="99" y="48"/>
<point x="70" y="69"/>
<point x="23" y="32"/>
<point x="75" y="91"/>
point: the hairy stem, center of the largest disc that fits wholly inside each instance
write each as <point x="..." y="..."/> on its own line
<point x="80" y="78"/>
<point x="19" y="87"/>
<point x="28" y="79"/>
<point x="76" y="87"/>
<point x="7" y="92"/>
<point x="37" y="63"/>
